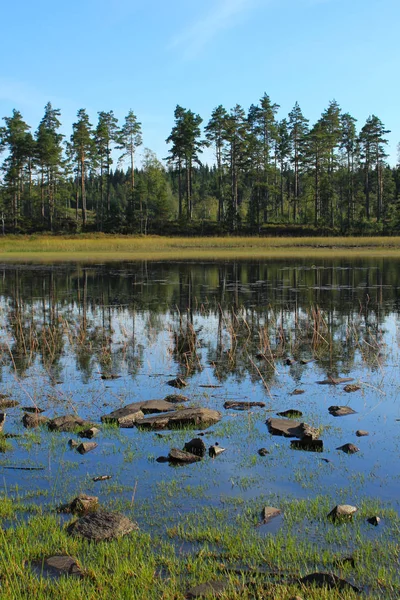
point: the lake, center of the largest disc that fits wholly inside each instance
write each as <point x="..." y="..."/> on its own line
<point x="90" y="339"/>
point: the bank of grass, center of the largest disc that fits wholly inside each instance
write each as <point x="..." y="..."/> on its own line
<point x="101" y="247"/>
<point x="226" y="543"/>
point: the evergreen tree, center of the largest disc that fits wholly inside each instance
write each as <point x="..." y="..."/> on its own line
<point x="106" y="135"/>
<point x="215" y="134"/>
<point x="82" y="150"/>
<point x="372" y="143"/>
<point x="298" y="128"/>
<point x="130" y="138"/>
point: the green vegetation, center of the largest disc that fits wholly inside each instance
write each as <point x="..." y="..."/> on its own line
<point x="112" y="248"/>
<point x="271" y="176"/>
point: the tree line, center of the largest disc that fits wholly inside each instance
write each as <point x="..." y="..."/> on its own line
<point x="268" y="174"/>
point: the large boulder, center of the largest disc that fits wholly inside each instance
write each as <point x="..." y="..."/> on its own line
<point x="129" y="414"/>
<point x="102" y="526"/>
<point x="201" y="418"/>
<point x="291" y="428"/>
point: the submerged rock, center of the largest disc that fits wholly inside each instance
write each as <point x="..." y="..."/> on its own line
<point x="102" y="526"/>
<point x="186" y="417"/>
<point x="182" y="457"/>
<point x="341" y="411"/>
<point x="196" y="446"/>
<point x="231" y="404"/>
<point x="207" y="590"/>
<point x="57" y="566"/>
<point x="328" y="580"/>
<point x="348" y="448"/>
<point x="342" y="512"/>
<point x="32" y="421"/>
<point x="67" y="423"/>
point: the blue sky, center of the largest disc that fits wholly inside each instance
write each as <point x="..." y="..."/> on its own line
<point x="150" y="55"/>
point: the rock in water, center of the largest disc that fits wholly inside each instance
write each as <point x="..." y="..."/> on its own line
<point x="176" y="398"/>
<point x="361" y="433"/>
<point x="290" y="413"/>
<point x="102" y="526"/>
<point x="263" y="452"/>
<point x="67" y="423"/>
<point x="349" y="448"/>
<point x="178" y="382"/>
<point x="352" y="387"/>
<point x="81" y="505"/>
<point x="125" y="416"/>
<point x="186" y="417"/>
<point x="2" y="420"/>
<point x="196" y="446"/>
<point x="269" y="512"/>
<point x="215" y="450"/>
<point x="290" y="428"/>
<point x="374" y="520"/>
<point x="57" y="566"/>
<point x="89" y="433"/>
<point x="342" y="512"/>
<point x="231" y="404"/>
<point x="32" y="421"/>
<point x="182" y="457"/>
<point x="341" y="411"/>
<point x="86" y="447"/>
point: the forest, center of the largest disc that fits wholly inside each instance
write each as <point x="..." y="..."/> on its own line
<point x="268" y="177"/>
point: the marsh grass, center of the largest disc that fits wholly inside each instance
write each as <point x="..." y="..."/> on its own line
<point x="108" y="247"/>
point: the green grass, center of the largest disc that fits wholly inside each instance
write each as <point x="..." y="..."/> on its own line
<point x="108" y="247"/>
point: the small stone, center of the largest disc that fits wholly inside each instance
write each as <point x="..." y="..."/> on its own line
<point x="329" y="581"/>
<point x="215" y="450"/>
<point x="263" y="452"/>
<point x="180" y="456"/>
<point x="32" y="409"/>
<point x="297" y="392"/>
<point x="269" y="512"/>
<point x="81" y="505"/>
<point x="289" y="362"/>
<point x="57" y="566"/>
<point x="341" y="411"/>
<point x="196" y="446"/>
<point x="108" y="376"/>
<point x="352" y="387"/>
<point x="102" y="526"/>
<point x="348" y="448"/>
<point x="6" y="402"/>
<point x="342" y="512"/>
<point x="361" y="433"/>
<point x="335" y="380"/>
<point x="67" y="423"/>
<point x="101" y="478"/>
<point x="374" y="520"/>
<point x="233" y="405"/>
<point x="86" y="447"/>
<point x="176" y="398"/>
<point x="73" y="443"/>
<point x="90" y="433"/>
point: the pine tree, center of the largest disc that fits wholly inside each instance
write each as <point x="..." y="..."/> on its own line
<point x="215" y="135"/>
<point x="82" y="150"/>
<point x="106" y="135"/>
<point x="129" y="139"/>
<point x="298" y="127"/>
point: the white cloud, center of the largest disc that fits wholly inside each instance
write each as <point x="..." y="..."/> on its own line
<point x="224" y="15"/>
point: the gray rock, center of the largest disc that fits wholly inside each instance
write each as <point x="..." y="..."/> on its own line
<point x="102" y="526"/>
<point x="196" y="446"/>
<point x="156" y="406"/>
<point x="269" y="512"/>
<point x="86" y="447"/>
<point x="90" y="433"/>
<point x="67" y="423"/>
<point x="125" y="416"/>
<point x="290" y="428"/>
<point x="361" y="433"/>
<point x="231" y="404"/>
<point x="35" y="420"/>
<point x="186" y="417"/>
<point x="341" y="411"/>
<point x="57" y="566"/>
<point x="290" y="413"/>
<point x="207" y="590"/>
<point x="182" y="457"/>
<point x="329" y="581"/>
<point x="348" y="448"/>
<point x="342" y="512"/>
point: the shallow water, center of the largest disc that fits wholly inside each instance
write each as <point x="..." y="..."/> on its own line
<point x="63" y="327"/>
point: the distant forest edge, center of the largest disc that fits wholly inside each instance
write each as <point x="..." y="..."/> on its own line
<point x="270" y="177"/>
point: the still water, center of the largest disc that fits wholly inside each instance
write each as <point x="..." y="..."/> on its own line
<point x="89" y="339"/>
